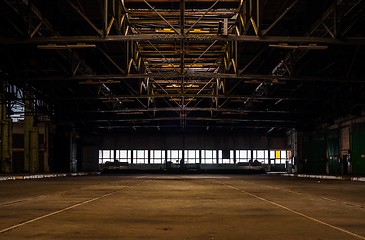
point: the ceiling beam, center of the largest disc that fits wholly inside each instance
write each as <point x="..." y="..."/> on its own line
<point x="251" y="78"/>
<point x="176" y="95"/>
<point x="174" y="37"/>
<point x="228" y="120"/>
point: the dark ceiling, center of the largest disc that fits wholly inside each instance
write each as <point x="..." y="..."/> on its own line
<point x="195" y="65"/>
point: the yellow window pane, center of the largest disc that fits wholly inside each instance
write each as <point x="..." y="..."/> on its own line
<point x="277" y="154"/>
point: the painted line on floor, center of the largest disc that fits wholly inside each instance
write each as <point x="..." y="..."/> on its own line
<point x="294" y="211"/>
<point x="66" y="209"/>
<point x="39" y="176"/>
<point x="314" y="196"/>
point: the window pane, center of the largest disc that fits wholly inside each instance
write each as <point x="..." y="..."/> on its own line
<point x="260" y="154"/>
<point x="208" y="154"/>
<point x="277" y="154"/>
<point x="157" y="154"/>
<point x="209" y="161"/>
<point x="243" y="154"/>
<point x="272" y="154"/>
<point x="106" y="154"/>
<point x="220" y="154"/>
<point x="140" y="154"/>
<point x="175" y="154"/>
<point x="283" y="154"/>
<point x="191" y="154"/>
<point x="123" y="154"/>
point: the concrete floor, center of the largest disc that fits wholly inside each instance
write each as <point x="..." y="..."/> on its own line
<point x="182" y="207"/>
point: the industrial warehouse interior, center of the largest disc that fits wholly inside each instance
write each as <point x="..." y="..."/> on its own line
<point x="189" y="119"/>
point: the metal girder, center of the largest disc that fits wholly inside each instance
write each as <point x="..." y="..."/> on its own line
<point x="332" y="9"/>
<point x="228" y="120"/>
<point x="232" y="111"/>
<point x="111" y="60"/>
<point x="176" y="95"/>
<point x="205" y="119"/>
<point x="251" y="78"/>
<point x="266" y="31"/>
<point x="188" y="1"/>
<point x="164" y="19"/>
<point x="190" y="37"/>
<point x="100" y="32"/>
<point x="201" y="17"/>
<point x="209" y="55"/>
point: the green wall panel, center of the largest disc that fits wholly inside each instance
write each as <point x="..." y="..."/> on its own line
<point x="333" y="152"/>
<point x="358" y="148"/>
<point x="314" y="154"/>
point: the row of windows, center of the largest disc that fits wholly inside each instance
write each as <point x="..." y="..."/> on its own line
<point x="194" y="156"/>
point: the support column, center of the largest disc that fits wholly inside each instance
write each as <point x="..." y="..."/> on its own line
<point x="73" y="151"/>
<point x="31" y="135"/>
<point x="46" y="153"/>
<point x="105" y="30"/>
<point x="6" y="133"/>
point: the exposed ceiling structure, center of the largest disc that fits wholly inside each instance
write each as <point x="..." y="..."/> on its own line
<point x="252" y="66"/>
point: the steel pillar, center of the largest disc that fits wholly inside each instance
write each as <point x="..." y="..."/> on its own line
<point x="46" y="153"/>
<point x="73" y="151"/>
<point x="6" y="134"/>
<point x="31" y="133"/>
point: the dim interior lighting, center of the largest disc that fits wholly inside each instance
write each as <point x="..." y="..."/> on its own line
<point x="89" y="82"/>
<point x="130" y="113"/>
<point x="173" y="86"/>
<point x="309" y="46"/>
<point x="192" y="86"/>
<point x="66" y="46"/>
<point x="118" y="100"/>
<point x="164" y="30"/>
<point x="234" y="113"/>
<point x="198" y="30"/>
<point x="278" y="101"/>
<point x="179" y="99"/>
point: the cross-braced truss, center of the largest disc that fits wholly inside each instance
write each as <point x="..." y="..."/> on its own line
<point x="245" y="65"/>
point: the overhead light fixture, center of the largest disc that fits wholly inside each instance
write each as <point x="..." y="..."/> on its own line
<point x="164" y="30"/>
<point x="174" y="99"/>
<point x="198" y="30"/>
<point x="173" y="85"/>
<point x="66" y="46"/>
<point x="309" y="46"/>
<point x="191" y="85"/>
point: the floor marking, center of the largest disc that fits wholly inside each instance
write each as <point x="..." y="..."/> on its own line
<point x="65" y="209"/>
<point x="310" y="195"/>
<point x="317" y="197"/>
<point x="6" y="204"/>
<point x="295" y="212"/>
